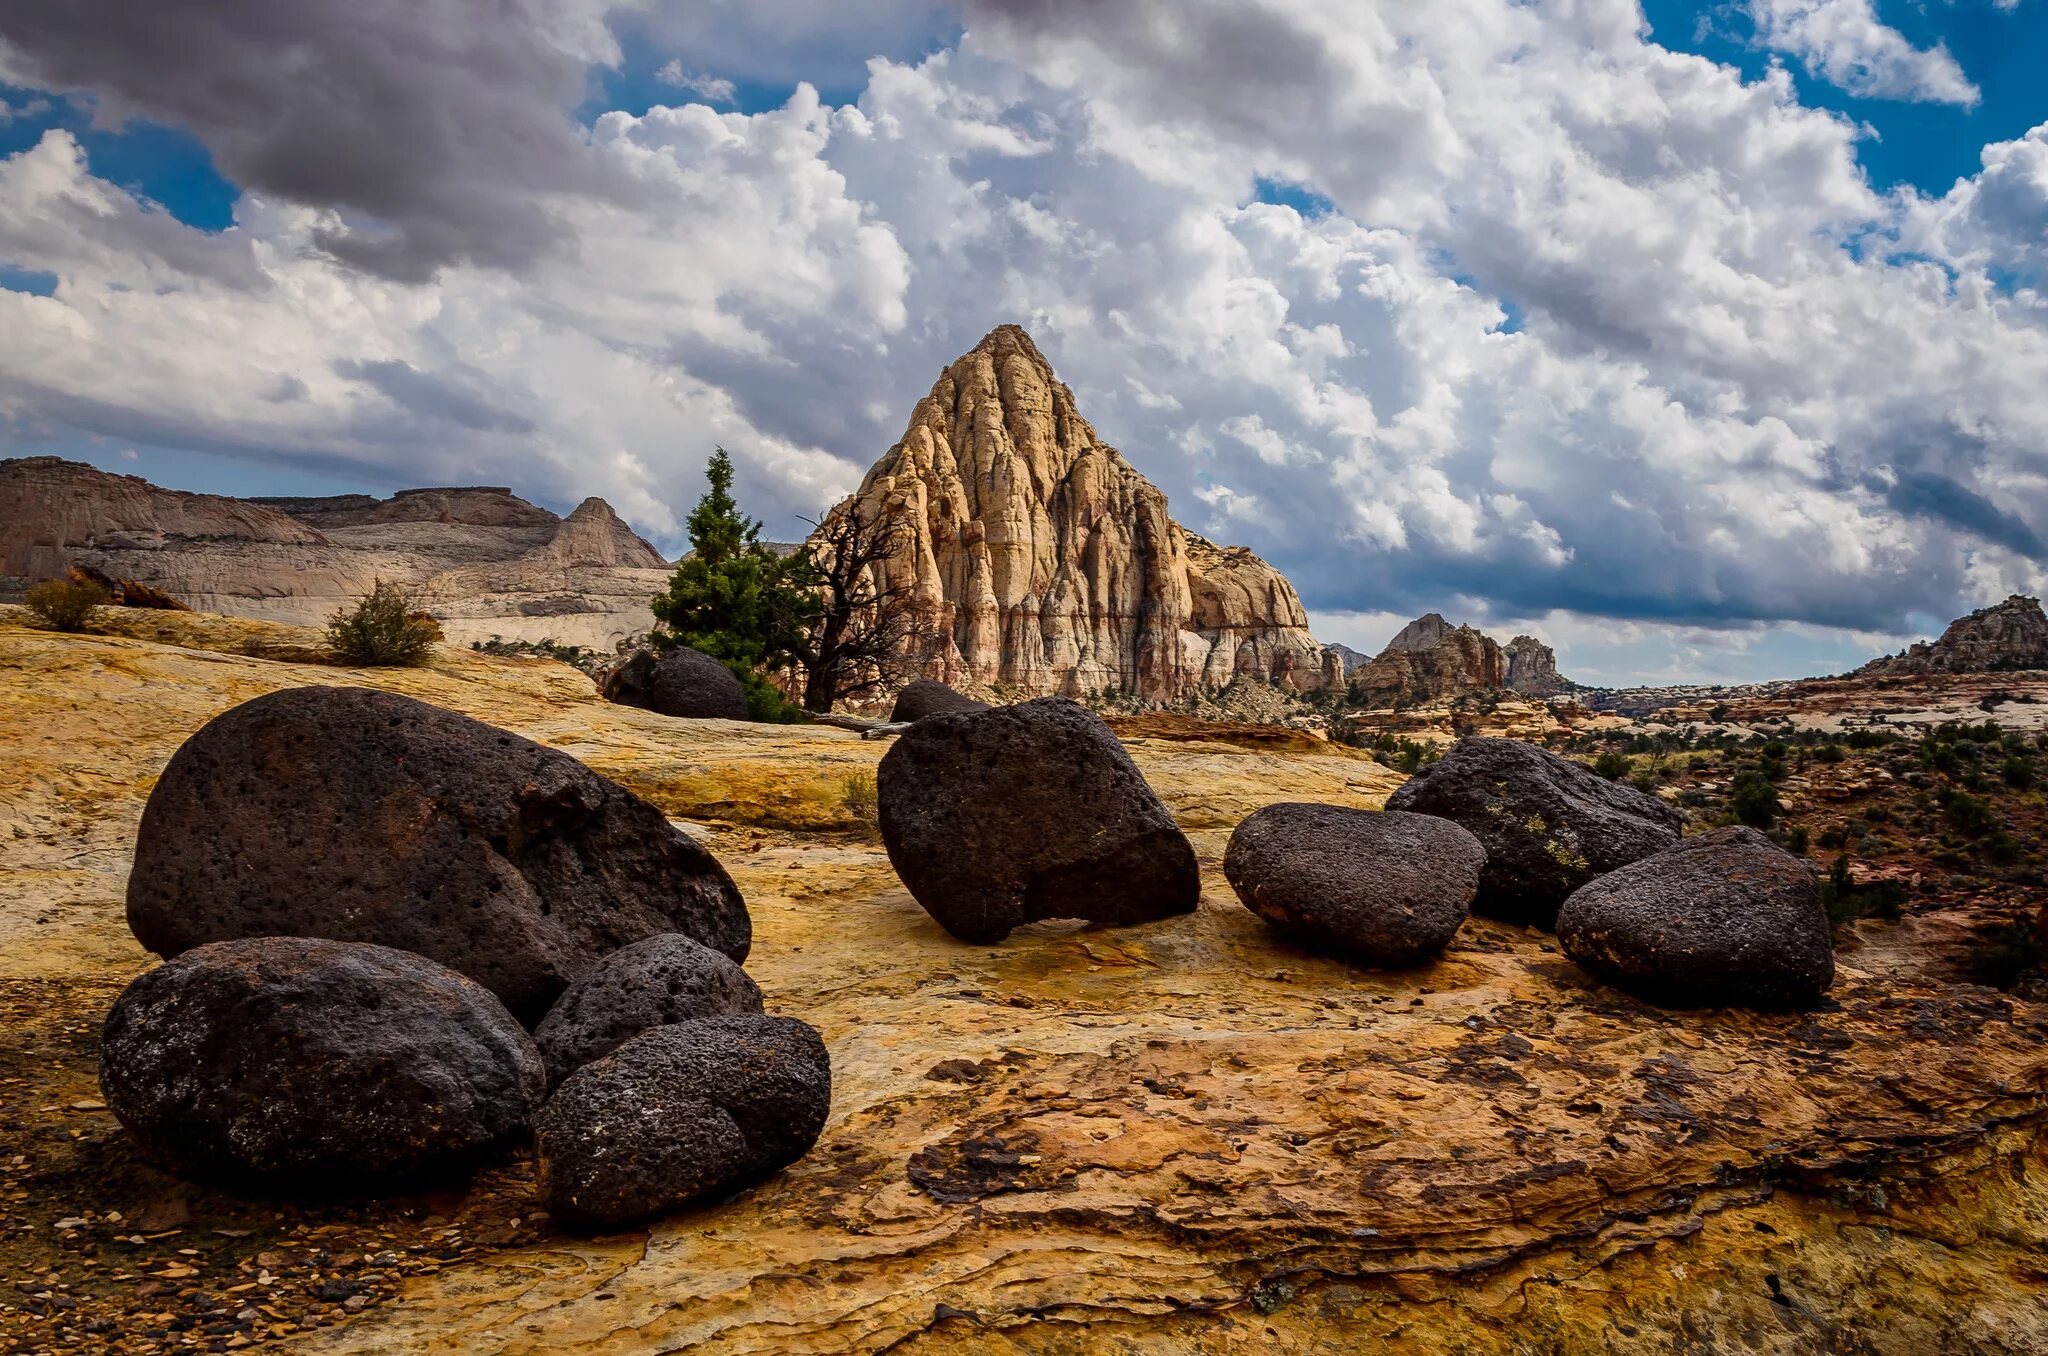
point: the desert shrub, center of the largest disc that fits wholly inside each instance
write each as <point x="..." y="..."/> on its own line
<point x="65" y="604"/>
<point x="857" y="793"/>
<point x="1828" y="753"/>
<point x="382" y="631"/>
<point x="1972" y="815"/>
<point x="2018" y="772"/>
<point x="1755" y="800"/>
<point x="1847" y="901"/>
<point x="1797" y="840"/>
<point x="1611" y="765"/>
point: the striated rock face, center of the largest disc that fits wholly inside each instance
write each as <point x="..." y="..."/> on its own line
<point x="1532" y="668"/>
<point x="1049" y="565"/>
<point x="1431" y="659"/>
<point x="484" y="561"/>
<point x="2011" y="635"/>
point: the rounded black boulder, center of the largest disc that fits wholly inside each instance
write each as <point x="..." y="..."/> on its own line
<point x="369" y="817"/>
<point x="998" y="818"/>
<point x="929" y="697"/>
<point x="1548" y="825"/>
<point x="1376" y="887"/>
<point x="656" y="981"/>
<point x="678" y="682"/>
<point x="1727" y="918"/>
<point x="682" y="1113"/>
<point x="293" y="1062"/>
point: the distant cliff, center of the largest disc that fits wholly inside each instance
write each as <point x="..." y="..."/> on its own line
<point x="1431" y="660"/>
<point x="483" y="560"/>
<point x="1047" y="564"/>
<point x="2008" y="635"/>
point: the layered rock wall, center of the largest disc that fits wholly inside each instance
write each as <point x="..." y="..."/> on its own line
<point x="1431" y="660"/>
<point x="1048" y="565"/>
<point x="484" y="561"/>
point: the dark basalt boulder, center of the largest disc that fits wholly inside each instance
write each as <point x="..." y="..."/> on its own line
<point x="1003" y="817"/>
<point x="928" y="697"/>
<point x="1375" y="887"/>
<point x="298" y="1063"/>
<point x="678" y="682"/>
<point x="1548" y="825"/>
<point x="656" y="981"/>
<point x="369" y="817"/>
<point x="1728" y="918"/>
<point x="682" y="1113"/>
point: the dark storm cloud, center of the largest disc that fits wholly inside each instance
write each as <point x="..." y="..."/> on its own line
<point x="432" y="397"/>
<point x="427" y="124"/>
<point x="1923" y="494"/>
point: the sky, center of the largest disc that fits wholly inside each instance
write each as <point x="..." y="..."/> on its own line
<point x="1709" y="343"/>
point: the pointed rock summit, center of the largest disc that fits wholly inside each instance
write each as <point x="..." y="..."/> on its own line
<point x="1431" y="659"/>
<point x="1050" y="566"/>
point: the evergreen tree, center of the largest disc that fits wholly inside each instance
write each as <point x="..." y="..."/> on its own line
<point x="734" y="598"/>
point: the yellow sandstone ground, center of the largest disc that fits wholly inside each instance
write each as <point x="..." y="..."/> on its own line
<point x="1181" y="1137"/>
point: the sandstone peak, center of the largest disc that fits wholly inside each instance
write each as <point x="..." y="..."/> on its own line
<point x="1430" y="659"/>
<point x="2008" y="635"/>
<point x="593" y="534"/>
<point x="1047" y="564"/>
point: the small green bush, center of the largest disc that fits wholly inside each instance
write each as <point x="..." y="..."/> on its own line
<point x="1611" y="765"/>
<point x="384" y="630"/>
<point x="1755" y="800"/>
<point x="65" y="604"/>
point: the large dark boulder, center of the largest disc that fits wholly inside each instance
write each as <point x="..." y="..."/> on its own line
<point x="682" y="1113"/>
<point x="370" y="817"/>
<point x="336" y="1067"/>
<point x="928" y="697"/>
<point x="1728" y="917"/>
<point x="656" y="981"/>
<point x="1548" y="825"/>
<point x="678" y="682"/>
<point x="1003" y="817"/>
<point x="1376" y="887"/>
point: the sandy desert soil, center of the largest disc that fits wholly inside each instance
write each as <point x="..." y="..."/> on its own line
<point x="1176" y="1138"/>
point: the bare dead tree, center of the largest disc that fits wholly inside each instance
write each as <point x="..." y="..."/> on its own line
<point x="864" y="637"/>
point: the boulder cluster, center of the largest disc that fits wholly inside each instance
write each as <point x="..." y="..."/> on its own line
<point x="995" y="818"/>
<point x="365" y="903"/>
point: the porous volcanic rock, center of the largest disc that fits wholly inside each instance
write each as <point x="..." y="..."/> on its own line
<point x="678" y="682"/>
<point x="1045" y="562"/>
<point x="366" y="816"/>
<point x="1548" y="825"/>
<point x="657" y="981"/>
<point x="999" y="818"/>
<point x="300" y="1062"/>
<point x="681" y="1113"/>
<point x="929" y="697"/>
<point x="1378" y="887"/>
<point x="1727" y="917"/>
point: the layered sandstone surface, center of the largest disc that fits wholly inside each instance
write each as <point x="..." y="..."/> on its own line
<point x="1049" y="565"/>
<point x="1173" y="1138"/>
<point x="484" y="561"/>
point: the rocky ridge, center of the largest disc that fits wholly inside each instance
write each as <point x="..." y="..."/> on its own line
<point x="1050" y="567"/>
<point x="1431" y="660"/>
<point x="2006" y="636"/>
<point x="484" y="561"/>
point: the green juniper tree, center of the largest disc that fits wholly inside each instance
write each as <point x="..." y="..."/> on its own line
<point x="734" y="598"/>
